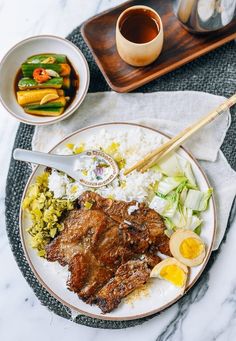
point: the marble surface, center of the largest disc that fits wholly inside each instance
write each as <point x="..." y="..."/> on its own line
<point x="207" y="313"/>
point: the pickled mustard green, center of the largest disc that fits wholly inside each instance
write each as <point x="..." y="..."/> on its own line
<point x="45" y="212"/>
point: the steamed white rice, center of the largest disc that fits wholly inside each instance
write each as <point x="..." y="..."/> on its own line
<point x="129" y="145"/>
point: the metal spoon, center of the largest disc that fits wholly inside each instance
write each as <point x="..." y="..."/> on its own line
<point x="69" y="163"/>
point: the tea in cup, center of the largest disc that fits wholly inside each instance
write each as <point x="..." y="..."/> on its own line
<point x="139" y="35"/>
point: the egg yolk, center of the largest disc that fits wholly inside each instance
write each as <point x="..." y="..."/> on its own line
<point x="173" y="274"/>
<point x="191" y="248"/>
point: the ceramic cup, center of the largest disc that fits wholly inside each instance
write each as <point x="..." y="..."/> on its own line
<point x="139" y="54"/>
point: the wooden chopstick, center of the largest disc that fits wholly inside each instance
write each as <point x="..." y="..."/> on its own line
<point x="176" y="141"/>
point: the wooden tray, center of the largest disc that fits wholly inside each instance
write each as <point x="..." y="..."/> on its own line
<point x="180" y="46"/>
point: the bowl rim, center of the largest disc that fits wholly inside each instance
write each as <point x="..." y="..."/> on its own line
<point x="69" y="110"/>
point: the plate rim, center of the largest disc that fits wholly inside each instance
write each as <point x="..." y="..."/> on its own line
<point x="104" y="317"/>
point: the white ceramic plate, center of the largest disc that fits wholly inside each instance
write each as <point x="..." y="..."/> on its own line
<point x="12" y="61"/>
<point x="159" y="294"/>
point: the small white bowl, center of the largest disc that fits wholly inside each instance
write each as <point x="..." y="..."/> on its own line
<point x="12" y="61"/>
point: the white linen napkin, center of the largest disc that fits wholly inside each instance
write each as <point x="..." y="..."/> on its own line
<point x="169" y="112"/>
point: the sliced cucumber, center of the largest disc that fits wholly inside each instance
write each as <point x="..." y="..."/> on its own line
<point x="39" y="58"/>
<point x="45" y="111"/>
<point x="57" y="103"/>
<point x="29" y="83"/>
<point x="28" y="69"/>
<point x="31" y="96"/>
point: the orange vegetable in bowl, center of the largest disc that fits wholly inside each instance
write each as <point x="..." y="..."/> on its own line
<point x="41" y="75"/>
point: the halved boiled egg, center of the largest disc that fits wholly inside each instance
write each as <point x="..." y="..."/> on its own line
<point x="172" y="271"/>
<point x="187" y="247"/>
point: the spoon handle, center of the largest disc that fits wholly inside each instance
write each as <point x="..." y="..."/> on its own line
<point x="49" y="160"/>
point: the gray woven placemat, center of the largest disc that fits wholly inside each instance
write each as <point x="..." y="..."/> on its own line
<point x="213" y="73"/>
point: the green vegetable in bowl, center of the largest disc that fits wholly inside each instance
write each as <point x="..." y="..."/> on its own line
<point x="42" y="75"/>
<point x="46" y="58"/>
<point x="56" y="103"/>
<point x="27" y="83"/>
<point x="45" y="111"/>
<point x="28" y="69"/>
<point x="61" y="69"/>
<point x="45" y="213"/>
<point x="25" y="97"/>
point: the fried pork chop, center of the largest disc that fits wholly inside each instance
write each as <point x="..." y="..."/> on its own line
<point x="109" y="248"/>
<point x="128" y="277"/>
